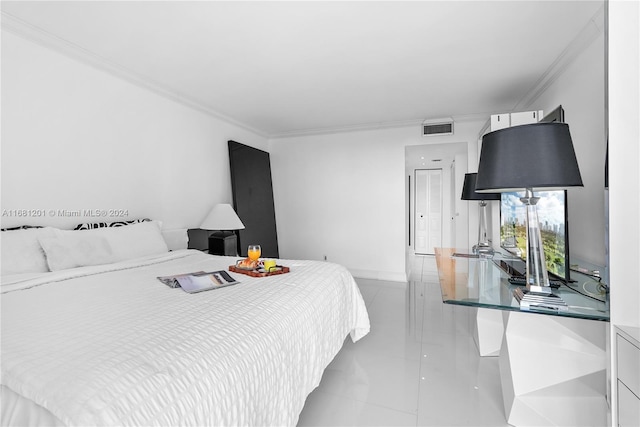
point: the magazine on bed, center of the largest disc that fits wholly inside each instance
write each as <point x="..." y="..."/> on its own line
<point x="199" y="281"/>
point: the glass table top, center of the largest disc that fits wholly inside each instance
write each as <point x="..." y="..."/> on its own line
<point x="480" y="282"/>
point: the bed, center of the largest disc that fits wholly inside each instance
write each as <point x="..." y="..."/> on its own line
<point x="107" y="343"/>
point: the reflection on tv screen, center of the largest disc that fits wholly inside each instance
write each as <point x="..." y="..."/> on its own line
<point x="552" y="216"/>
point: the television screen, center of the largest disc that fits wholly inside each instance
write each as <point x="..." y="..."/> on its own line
<point x="552" y="216"/>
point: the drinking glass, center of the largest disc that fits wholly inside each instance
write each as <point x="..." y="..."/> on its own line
<point x="254" y="252"/>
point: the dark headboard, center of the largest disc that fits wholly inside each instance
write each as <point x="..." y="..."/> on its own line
<point x="253" y="198"/>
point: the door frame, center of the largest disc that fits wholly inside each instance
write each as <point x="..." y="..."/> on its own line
<point x="427" y="201"/>
<point x="437" y="154"/>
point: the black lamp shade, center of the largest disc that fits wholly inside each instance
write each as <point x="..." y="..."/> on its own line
<point x="538" y="155"/>
<point x="469" y="190"/>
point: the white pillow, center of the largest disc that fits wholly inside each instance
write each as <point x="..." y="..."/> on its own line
<point x="70" y="249"/>
<point x="135" y="240"/>
<point x="21" y="252"/>
<point x="176" y="238"/>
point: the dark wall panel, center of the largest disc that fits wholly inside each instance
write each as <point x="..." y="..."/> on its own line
<point x="253" y="198"/>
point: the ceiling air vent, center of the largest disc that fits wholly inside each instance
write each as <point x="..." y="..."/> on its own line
<point x="437" y="127"/>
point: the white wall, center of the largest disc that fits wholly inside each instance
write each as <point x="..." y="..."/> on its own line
<point x="343" y="195"/>
<point x="75" y="138"/>
<point x="624" y="174"/>
<point x="624" y="161"/>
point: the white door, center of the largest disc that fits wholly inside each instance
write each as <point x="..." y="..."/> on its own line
<point x="428" y="210"/>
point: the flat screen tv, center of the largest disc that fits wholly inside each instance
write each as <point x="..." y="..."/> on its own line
<point x="554" y="228"/>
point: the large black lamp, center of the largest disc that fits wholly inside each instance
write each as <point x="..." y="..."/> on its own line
<point x="483" y="247"/>
<point x="529" y="157"/>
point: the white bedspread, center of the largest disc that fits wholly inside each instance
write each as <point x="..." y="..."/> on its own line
<point x="112" y="345"/>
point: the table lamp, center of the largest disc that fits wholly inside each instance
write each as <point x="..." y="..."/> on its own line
<point x="529" y="157"/>
<point x="224" y="219"/>
<point x="482" y="248"/>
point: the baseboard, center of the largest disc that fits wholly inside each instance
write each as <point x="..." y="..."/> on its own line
<point x="390" y="276"/>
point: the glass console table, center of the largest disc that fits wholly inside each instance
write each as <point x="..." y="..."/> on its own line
<point x="480" y="282"/>
<point x="552" y="362"/>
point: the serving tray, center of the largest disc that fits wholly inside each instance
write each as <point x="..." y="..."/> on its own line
<point x="259" y="272"/>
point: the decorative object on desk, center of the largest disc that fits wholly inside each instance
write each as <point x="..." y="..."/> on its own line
<point x="529" y="157"/>
<point x="483" y="247"/>
<point x="224" y="219"/>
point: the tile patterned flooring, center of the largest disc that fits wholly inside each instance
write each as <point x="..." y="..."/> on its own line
<point x="418" y="366"/>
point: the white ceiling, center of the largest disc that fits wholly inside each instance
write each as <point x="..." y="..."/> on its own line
<point x="294" y="67"/>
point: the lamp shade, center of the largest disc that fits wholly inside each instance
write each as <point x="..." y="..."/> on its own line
<point x="222" y="217"/>
<point x="538" y="155"/>
<point x="469" y="190"/>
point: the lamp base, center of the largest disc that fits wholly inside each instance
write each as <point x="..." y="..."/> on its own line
<point x="223" y="243"/>
<point x="482" y="248"/>
<point x="539" y="301"/>
<point x="537" y="276"/>
<point x="546" y="290"/>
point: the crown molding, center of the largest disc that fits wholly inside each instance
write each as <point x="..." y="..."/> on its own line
<point x="345" y="129"/>
<point x="589" y="33"/>
<point x="44" y="38"/>
<point x="374" y="126"/>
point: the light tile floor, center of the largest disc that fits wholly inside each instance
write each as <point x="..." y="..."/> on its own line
<point x="418" y="366"/>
